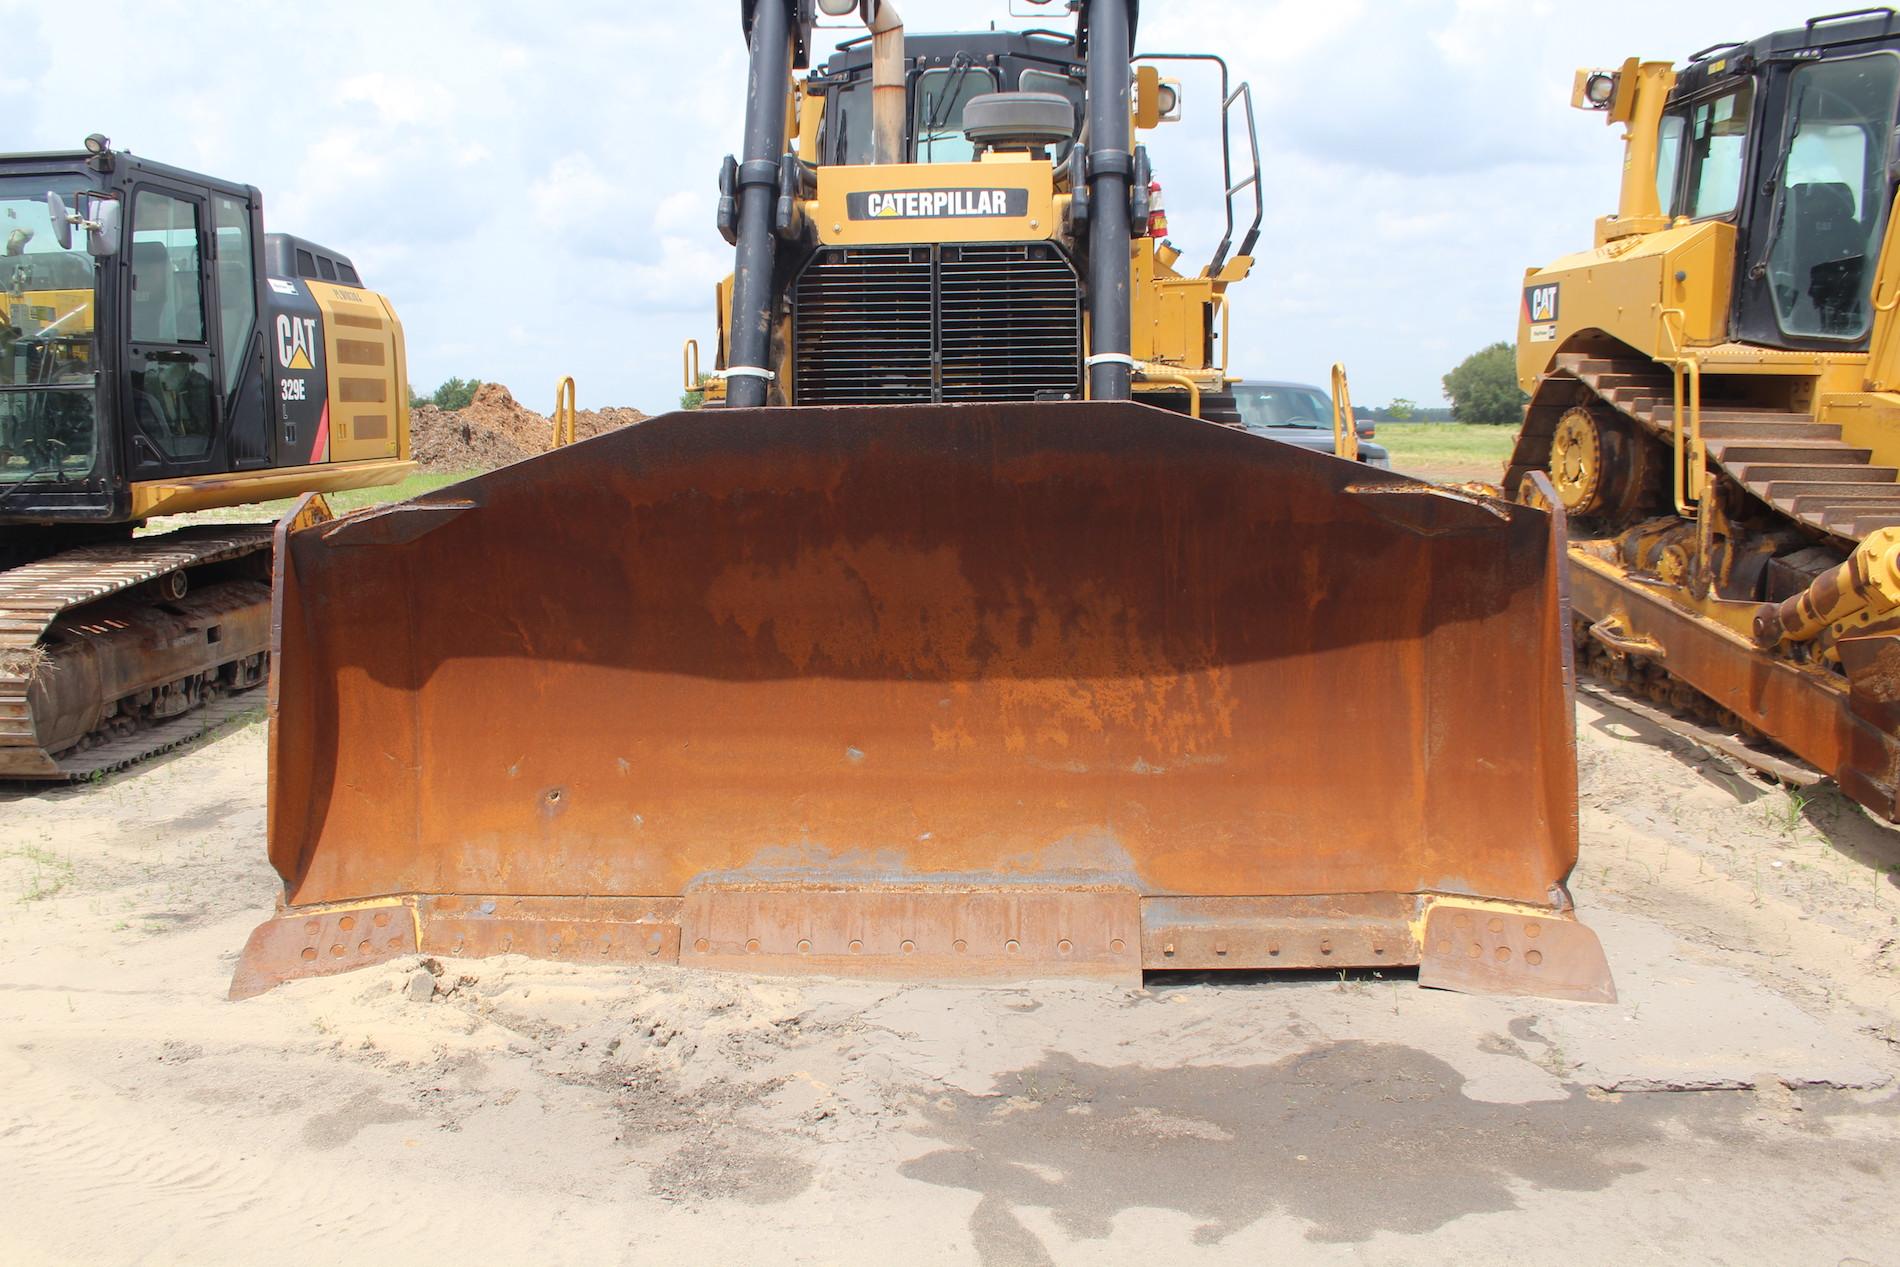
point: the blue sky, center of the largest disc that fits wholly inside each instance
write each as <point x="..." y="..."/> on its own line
<point x="534" y="186"/>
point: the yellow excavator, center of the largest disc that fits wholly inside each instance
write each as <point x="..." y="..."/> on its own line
<point x="160" y="353"/>
<point x="952" y="642"/>
<point x="1715" y="395"/>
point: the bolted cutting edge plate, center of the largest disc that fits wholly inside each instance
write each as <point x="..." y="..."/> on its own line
<point x="1353" y="930"/>
<point x="600" y="930"/>
<point x="1484" y="951"/>
<point x="902" y="933"/>
<point x="318" y="943"/>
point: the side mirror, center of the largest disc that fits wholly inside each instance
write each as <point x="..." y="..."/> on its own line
<point x="62" y="220"/>
<point x="103" y="238"/>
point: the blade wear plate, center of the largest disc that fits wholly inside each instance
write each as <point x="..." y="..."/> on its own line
<point x="1093" y="650"/>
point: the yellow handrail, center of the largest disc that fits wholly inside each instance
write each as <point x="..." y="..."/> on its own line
<point x="1672" y="339"/>
<point x="1688" y="457"/>
<point x="563" y="413"/>
<point x="689" y="364"/>
<point x="1345" y="427"/>
<point x="1162" y="374"/>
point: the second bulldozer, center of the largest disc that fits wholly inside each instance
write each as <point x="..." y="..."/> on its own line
<point x="1715" y="392"/>
<point x="934" y="651"/>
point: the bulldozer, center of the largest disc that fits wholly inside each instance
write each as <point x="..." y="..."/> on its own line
<point x="1715" y="397"/>
<point x="160" y="354"/>
<point x="961" y="637"/>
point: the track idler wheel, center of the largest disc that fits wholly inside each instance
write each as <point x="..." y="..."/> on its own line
<point x="1599" y="466"/>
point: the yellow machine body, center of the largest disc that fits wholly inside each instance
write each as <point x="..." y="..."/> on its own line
<point x="969" y="647"/>
<point x="239" y="367"/>
<point x="1711" y="391"/>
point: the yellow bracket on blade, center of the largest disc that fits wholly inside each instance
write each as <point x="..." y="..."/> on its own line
<point x="563" y="413"/>
<point x="1345" y="426"/>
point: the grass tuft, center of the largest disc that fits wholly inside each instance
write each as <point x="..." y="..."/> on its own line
<point x="26" y="662"/>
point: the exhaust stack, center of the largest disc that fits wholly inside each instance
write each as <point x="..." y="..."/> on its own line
<point x="1111" y="167"/>
<point x="887" y="80"/>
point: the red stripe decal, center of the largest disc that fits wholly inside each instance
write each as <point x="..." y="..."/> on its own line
<point x="320" y="451"/>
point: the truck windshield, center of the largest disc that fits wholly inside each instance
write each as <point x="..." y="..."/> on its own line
<point x="1831" y="207"/>
<point x="47" y="354"/>
<point x="1282" y="406"/>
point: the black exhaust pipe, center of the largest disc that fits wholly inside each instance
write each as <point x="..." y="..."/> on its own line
<point x="1111" y="167"/>
<point x="754" y="303"/>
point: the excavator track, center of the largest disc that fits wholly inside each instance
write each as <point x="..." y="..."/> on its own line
<point x="1653" y="654"/>
<point x="112" y="653"/>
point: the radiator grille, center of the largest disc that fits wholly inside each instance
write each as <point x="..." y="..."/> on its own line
<point x="917" y="324"/>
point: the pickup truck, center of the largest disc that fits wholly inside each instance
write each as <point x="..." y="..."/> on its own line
<point x="1301" y="414"/>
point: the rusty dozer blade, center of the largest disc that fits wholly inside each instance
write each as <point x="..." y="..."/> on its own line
<point x="1011" y="690"/>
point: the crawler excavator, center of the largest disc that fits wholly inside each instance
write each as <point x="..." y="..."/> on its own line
<point x="1715" y="394"/>
<point x="161" y="353"/>
<point x="953" y="643"/>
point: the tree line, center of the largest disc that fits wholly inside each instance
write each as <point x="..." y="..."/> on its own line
<point x="1483" y="388"/>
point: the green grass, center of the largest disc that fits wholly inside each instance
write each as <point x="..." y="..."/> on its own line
<point x="357" y="498"/>
<point x="1457" y="450"/>
<point x="43" y="874"/>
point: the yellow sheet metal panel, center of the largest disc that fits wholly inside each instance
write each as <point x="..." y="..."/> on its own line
<point x="936" y="202"/>
<point x="1656" y="293"/>
<point x="1168" y="321"/>
<point x="1144" y="312"/>
<point x="369" y="400"/>
<point x="1868" y="420"/>
<point x="400" y="382"/>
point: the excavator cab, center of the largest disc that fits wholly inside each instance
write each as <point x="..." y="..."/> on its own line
<point x="953" y="643"/>
<point x="160" y="353"/>
<point x="151" y="336"/>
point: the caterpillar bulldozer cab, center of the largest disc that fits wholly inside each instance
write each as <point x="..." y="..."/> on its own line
<point x="1713" y="393"/>
<point x="944" y="253"/>
<point x="952" y="643"/>
<point x="160" y="353"/>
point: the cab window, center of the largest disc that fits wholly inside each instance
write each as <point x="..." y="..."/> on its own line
<point x="1669" y="159"/>
<point x="1718" y="143"/>
<point x="167" y="290"/>
<point x="237" y="294"/>
<point x="847" y="123"/>
<point x="1831" y="206"/>
<point x="172" y="394"/>
<point x="937" y="113"/>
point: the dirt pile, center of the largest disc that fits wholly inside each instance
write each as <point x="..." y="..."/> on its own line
<point x="496" y="429"/>
<point x="442" y="440"/>
<point x="592" y="422"/>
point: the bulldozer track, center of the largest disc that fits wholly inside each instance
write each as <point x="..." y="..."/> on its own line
<point x="35" y="596"/>
<point x="1799" y="467"/>
<point x="1760" y="756"/>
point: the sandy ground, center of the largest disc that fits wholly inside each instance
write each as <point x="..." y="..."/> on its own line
<point x="1739" y="1104"/>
